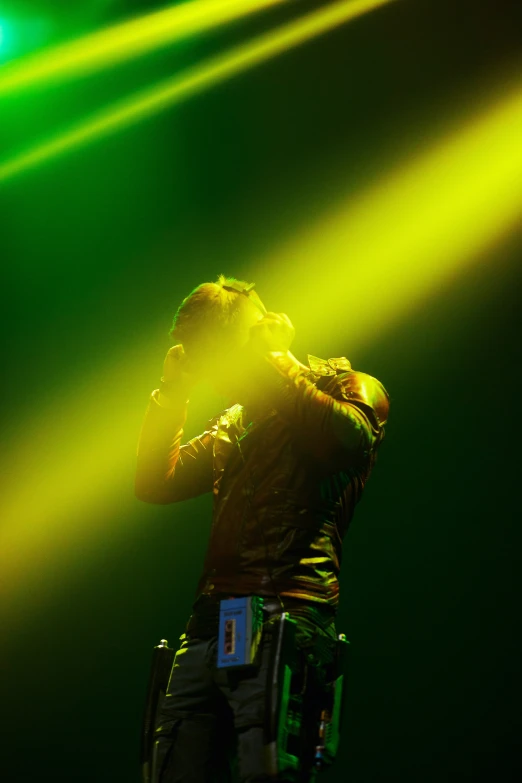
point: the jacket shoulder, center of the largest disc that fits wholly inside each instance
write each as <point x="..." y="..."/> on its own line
<point x="359" y="387"/>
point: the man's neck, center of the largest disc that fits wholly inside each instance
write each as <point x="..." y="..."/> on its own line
<point x="254" y="406"/>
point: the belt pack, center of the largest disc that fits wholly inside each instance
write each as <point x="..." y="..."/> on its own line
<point x="304" y="703"/>
<point x="240" y="630"/>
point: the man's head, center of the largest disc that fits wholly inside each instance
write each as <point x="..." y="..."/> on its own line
<point x="213" y="324"/>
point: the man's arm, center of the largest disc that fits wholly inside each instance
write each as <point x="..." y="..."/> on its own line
<point x="340" y="428"/>
<point x="167" y="471"/>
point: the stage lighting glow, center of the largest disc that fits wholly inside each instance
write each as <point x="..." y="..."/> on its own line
<point x="5" y="38"/>
<point x="379" y="255"/>
<point x="372" y="260"/>
<point x="191" y="82"/>
<point x="127" y="40"/>
<point x="19" y="34"/>
<point x="391" y="247"/>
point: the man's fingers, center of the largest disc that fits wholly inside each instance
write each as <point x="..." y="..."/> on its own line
<point x="278" y="317"/>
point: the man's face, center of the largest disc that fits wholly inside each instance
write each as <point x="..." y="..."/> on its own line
<point x="222" y="363"/>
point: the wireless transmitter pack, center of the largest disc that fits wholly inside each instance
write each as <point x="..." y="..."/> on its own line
<point x="240" y="628"/>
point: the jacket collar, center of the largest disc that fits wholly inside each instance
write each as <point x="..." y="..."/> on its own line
<point x="328" y="367"/>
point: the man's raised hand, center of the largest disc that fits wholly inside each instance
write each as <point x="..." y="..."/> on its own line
<point x="176" y="379"/>
<point x="273" y="332"/>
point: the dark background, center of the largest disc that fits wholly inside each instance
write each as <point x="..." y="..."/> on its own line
<point x="98" y="248"/>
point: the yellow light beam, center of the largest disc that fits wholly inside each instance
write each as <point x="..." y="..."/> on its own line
<point x="68" y="461"/>
<point x="124" y="41"/>
<point x="383" y="252"/>
<point x="190" y="82"/>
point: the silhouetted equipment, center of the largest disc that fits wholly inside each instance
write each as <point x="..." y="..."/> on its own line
<point x="162" y="660"/>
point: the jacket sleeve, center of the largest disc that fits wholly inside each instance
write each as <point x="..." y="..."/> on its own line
<point x="167" y="471"/>
<point x="342" y="426"/>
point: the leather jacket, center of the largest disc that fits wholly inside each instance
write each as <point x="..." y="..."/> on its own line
<point x="284" y="485"/>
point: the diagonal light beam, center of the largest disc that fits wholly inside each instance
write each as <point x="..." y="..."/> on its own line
<point x="124" y="41"/>
<point x="392" y="246"/>
<point x="191" y="82"/>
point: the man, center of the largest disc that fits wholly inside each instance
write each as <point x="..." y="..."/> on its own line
<point x="287" y="462"/>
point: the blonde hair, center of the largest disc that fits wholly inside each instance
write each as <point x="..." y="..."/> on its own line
<point x="210" y="314"/>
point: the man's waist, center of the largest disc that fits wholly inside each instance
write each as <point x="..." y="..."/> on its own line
<point x="292" y="585"/>
<point x="204" y="620"/>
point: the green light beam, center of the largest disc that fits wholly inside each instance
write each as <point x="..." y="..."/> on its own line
<point x="191" y="82"/>
<point x="124" y="41"/>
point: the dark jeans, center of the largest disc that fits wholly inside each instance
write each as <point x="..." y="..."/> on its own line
<point x="211" y="726"/>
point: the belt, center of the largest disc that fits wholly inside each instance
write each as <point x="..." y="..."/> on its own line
<point x="204" y="621"/>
